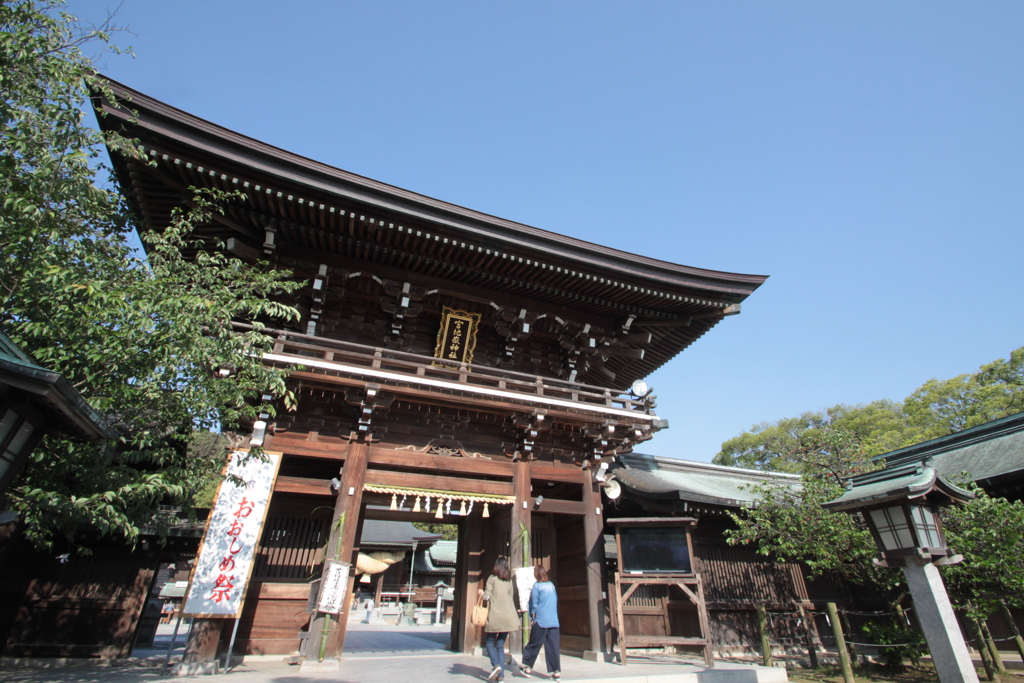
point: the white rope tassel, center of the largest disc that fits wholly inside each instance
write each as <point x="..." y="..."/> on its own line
<point x="440" y="511"/>
<point x="462" y="509"/>
<point x="416" y="505"/>
<point x="487" y="511"/>
<point x="394" y="501"/>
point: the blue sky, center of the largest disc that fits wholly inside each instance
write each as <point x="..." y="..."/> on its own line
<point x="868" y="156"/>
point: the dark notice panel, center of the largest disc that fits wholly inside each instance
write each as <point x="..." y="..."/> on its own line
<point x="655" y="549"/>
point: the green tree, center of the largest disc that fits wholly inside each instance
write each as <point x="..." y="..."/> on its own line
<point x="993" y="565"/>
<point x="142" y="338"/>
<point x="789" y="524"/>
<point x="936" y="408"/>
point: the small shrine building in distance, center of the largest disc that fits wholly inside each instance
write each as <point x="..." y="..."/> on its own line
<point x="445" y="357"/>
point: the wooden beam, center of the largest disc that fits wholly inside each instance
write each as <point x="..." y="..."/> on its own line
<point x="436" y="483"/>
<point x="295" y="445"/>
<point x="444" y="285"/>
<point x="386" y="455"/>
<point x="559" y="507"/>
<point x="303" y="486"/>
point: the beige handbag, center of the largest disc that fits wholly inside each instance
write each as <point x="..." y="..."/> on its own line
<point x="479" y="616"/>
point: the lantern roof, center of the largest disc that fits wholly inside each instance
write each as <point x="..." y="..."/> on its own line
<point x="908" y="482"/>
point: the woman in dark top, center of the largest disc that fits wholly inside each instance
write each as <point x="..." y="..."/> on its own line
<point x="501" y="616"/>
<point x="544" y="629"/>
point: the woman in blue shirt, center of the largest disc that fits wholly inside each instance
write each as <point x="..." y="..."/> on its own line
<point x="543" y="625"/>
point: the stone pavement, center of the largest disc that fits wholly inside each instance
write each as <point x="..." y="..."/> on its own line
<point x="390" y="654"/>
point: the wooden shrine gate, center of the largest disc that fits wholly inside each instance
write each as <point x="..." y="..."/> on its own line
<point x="441" y="352"/>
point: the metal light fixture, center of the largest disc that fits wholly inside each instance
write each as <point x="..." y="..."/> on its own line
<point x="899" y="506"/>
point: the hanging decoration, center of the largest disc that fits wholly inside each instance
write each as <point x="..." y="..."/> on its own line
<point x="442" y="500"/>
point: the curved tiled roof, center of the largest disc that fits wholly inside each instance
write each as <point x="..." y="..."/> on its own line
<point x="651" y="476"/>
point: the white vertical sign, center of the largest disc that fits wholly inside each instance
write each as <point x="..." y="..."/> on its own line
<point x="524" y="580"/>
<point x="333" y="587"/>
<point x="222" y="570"/>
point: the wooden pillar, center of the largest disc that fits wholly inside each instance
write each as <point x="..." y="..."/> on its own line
<point x="201" y="649"/>
<point x="521" y="539"/>
<point x="343" y="534"/>
<point x="593" y="539"/>
<point x="469" y="577"/>
<point x="521" y="514"/>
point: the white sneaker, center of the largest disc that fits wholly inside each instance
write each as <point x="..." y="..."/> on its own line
<point x="495" y="674"/>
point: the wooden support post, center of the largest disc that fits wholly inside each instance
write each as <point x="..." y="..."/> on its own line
<point x="593" y="540"/>
<point x="837" y="632"/>
<point x="327" y="632"/>
<point x="992" y="647"/>
<point x="812" y="650"/>
<point x="849" y="629"/>
<point x="979" y="639"/>
<point x="914" y="659"/>
<point x="201" y="648"/>
<point x="520" y="537"/>
<point x="762" y="629"/>
<point x="1012" y="625"/>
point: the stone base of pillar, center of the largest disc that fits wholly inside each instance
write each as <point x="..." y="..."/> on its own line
<point x="311" y="666"/>
<point x="197" y="669"/>
<point x="600" y="657"/>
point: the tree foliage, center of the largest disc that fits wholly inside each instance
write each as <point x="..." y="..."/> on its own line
<point x="827" y="447"/>
<point x="937" y="408"/>
<point x="789" y="524"/>
<point x="141" y="337"/>
<point x="989" y="533"/>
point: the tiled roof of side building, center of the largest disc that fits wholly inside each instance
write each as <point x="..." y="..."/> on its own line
<point x="989" y="452"/>
<point x="669" y="478"/>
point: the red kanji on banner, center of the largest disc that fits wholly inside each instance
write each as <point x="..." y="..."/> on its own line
<point x="222" y="588"/>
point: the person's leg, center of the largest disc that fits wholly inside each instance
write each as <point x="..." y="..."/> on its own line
<point x="492" y="651"/>
<point x="532" y="648"/>
<point x="500" y="647"/>
<point x="552" y="641"/>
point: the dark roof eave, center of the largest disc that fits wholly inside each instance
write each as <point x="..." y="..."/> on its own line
<point x="162" y="119"/>
<point x="52" y="388"/>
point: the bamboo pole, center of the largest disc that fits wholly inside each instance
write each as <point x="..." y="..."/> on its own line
<point x="837" y="632"/>
<point x="762" y="628"/>
<point x="1012" y="625"/>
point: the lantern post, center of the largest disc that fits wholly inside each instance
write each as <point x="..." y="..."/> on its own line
<point x="900" y="507"/>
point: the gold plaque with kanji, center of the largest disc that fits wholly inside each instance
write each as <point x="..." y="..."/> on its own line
<point x="456" y="339"/>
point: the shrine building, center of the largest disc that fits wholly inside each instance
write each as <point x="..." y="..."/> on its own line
<point x="449" y="366"/>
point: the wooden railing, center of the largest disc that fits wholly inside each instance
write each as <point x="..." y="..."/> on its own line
<point x="416" y="366"/>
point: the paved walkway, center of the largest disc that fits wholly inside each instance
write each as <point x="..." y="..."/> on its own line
<point x="390" y="654"/>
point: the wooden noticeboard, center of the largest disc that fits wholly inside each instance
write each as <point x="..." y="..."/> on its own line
<point x="683" y="575"/>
